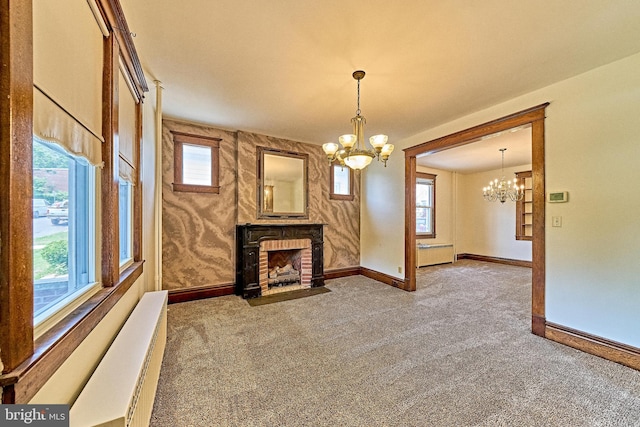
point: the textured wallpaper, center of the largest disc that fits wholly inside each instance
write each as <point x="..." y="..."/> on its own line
<point x="198" y="229"/>
<point x="198" y="245"/>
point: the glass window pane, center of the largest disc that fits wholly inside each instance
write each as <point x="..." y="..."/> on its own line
<point x="125" y="217"/>
<point x="63" y="238"/>
<point x="341" y="184"/>
<point x="424" y="206"/>
<point x="424" y="194"/>
<point x="196" y="164"/>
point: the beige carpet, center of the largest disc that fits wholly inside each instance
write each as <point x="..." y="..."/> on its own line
<point x="457" y="352"/>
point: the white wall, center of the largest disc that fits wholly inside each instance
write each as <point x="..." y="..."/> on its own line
<point x="593" y="152"/>
<point x="488" y="228"/>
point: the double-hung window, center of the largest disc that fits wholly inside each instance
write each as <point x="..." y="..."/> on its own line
<point x="64" y="263"/>
<point x="425" y="205"/>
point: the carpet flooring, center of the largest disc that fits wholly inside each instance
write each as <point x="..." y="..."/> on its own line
<point x="457" y="352"/>
<point x="287" y="296"/>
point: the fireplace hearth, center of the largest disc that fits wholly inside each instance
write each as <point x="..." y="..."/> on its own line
<point x="291" y="253"/>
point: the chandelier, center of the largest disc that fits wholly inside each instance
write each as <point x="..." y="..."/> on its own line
<point x="351" y="150"/>
<point x="500" y="190"/>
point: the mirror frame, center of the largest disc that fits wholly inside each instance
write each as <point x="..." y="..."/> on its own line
<point x="264" y="214"/>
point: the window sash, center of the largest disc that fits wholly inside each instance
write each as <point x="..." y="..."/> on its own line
<point x="425" y="205"/>
<point x="125" y="219"/>
<point x="81" y="241"/>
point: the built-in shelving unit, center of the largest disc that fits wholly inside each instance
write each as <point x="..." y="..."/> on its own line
<point x="524" y="207"/>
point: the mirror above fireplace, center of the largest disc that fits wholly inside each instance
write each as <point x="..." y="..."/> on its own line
<point x="282" y="184"/>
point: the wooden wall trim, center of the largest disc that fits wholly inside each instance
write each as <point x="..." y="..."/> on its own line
<point x="383" y="278"/>
<point x="538" y="248"/>
<point x="115" y="19"/>
<point x="465" y="136"/>
<point x="409" y="223"/>
<point x="110" y="154"/>
<point x="592" y="344"/>
<point x="497" y="260"/>
<point x="535" y="117"/>
<point x="538" y="325"/>
<point x="200" y="292"/>
<point x="16" y="187"/>
<point x="337" y="273"/>
<point x="210" y="291"/>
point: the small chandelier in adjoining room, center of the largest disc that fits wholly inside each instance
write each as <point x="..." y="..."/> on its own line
<point x="503" y="189"/>
<point x="353" y="152"/>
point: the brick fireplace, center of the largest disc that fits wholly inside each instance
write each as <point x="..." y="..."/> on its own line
<point x="275" y="254"/>
<point x="261" y="248"/>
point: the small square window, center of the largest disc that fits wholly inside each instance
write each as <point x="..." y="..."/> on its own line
<point x="196" y="163"/>
<point x="341" y="183"/>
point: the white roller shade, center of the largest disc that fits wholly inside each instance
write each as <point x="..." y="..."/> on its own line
<point x="53" y="124"/>
<point x="67" y="67"/>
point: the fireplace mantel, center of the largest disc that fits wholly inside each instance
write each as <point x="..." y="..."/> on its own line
<point x="248" y="238"/>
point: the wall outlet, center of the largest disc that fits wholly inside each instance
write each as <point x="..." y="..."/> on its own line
<point x="556" y="221"/>
<point x="399" y="269"/>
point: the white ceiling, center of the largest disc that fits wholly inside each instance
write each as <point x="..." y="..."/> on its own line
<point x="484" y="153"/>
<point x="283" y="67"/>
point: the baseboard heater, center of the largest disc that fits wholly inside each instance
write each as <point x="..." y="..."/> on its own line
<point x="432" y="254"/>
<point x="122" y="389"/>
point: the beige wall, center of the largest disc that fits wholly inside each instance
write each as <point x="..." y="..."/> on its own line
<point x="591" y="137"/>
<point x="341" y="218"/>
<point x="199" y="229"/>
<point x="484" y="228"/>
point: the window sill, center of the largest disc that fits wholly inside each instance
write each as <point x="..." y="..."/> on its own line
<point x="188" y="188"/>
<point x="58" y="343"/>
<point x="348" y="197"/>
<point x="425" y="236"/>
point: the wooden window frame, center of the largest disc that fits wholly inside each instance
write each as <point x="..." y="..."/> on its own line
<point x="334" y="196"/>
<point x="431" y="235"/>
<point x="179" y="140"/>
<point x="29" y="364"/>
<point x="520" y="207"/>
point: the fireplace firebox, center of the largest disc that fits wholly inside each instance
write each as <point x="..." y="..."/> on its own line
<point x="299" y="245"/>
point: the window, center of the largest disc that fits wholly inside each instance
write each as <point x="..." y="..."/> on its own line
<point x="196" y="163"/>
<point x="341" y="182"/>
<point x="69" y="131"/>
<point x="425" y="205"/>
<point x="64" y="243"/>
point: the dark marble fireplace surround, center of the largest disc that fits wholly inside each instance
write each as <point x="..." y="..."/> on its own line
<point x="248" y="238"/>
